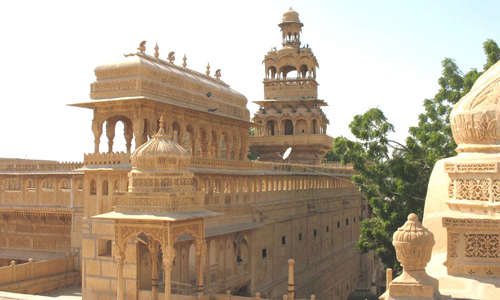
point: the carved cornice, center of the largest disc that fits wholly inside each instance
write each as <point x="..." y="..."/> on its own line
<point x="137" y="87"/>
<point x="487" y="224"/>
<point x="471" y="167"/>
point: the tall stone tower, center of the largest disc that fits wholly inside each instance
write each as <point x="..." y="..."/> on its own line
<point x="290" y="114"/>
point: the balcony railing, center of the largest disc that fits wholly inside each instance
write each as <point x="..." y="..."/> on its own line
<point x="296" y="88"/>
<point x="198" y="162"/>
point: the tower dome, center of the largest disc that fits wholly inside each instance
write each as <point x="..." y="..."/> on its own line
<point x="291" y="16"/>
<point x="160" y="153"/>
<point x="290" y="29"/>
<point x="474" y="120"/>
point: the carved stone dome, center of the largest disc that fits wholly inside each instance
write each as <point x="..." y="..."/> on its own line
<point x="291" y="16"/>
<point x="160" y="153"/>
<point x="475" y="119"/>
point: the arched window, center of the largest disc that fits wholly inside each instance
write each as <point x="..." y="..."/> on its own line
<point x="314" y="127"/>
<point x="93" y="187"/>
<point x="79" y="185"/>
<point x="64" y="184"/>
<point x="270" y="127"/>
<point x="116" y="186"/>
<point x="12" y="184"/>
<point x="30" y="184"/>
<point x="301" y="126"/>
<point x="288" y="127"/>
<point x="105" y="187"/>
<point x="48" y="183"/>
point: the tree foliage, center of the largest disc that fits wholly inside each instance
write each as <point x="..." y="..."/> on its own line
<point x="393" y="176"/>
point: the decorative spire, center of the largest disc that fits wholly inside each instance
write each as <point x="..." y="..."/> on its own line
<point x="157" y="54"/>
<point x="217" y="74"/>
<point x="161" y="130"/>
<point x="208" y="69"/>
<point x="184" y="64"/>
<point x="142" y="47"/>
<point x="162" y="122"/>
<point x="171" y="57"/>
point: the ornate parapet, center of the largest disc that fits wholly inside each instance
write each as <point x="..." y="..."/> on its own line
<point x="7" y="164"/>
<point x="282" y="89"/>
<point x="114" y="158"/>
<point x="211" y="163"/>
<point x="158" y="201"/>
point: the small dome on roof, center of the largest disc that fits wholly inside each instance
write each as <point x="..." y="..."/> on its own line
<point x="160" y="153"/>
<point x="291" y="16"/>
<point x="474" y="120"/>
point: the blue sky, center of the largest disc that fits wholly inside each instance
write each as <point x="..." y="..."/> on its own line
<point x="384" y="54"/>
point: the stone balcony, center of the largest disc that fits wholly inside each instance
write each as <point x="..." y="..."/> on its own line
<point x="306" y="148"/>
<point x="291" y="88"/>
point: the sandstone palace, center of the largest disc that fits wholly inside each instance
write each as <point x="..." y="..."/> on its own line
<point x="184" y="214"/>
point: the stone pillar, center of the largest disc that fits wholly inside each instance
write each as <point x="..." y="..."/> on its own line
<point x="218" y="147"/>
<point x="168" y="259"/>
<point x="200" y="249"/>
<point x="138" y="129"/>
<point x="110" y="133"/>
<point x="119" y="257"/>
<point x="97" y="130"/>
<point x="291" y="280"/>
<point x="196" y="146"/>
<point x="129" y="135"/>
<point x="413" y="244"/>
<point x="237" y="148"/>
<point x="208" y="143"/>
<point x="245" y="144"/>
<point x="153" y="249"/>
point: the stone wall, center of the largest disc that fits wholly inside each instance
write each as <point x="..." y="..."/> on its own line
<point x="38" y="277"/>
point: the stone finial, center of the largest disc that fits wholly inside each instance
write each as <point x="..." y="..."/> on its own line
<point x="157" y="54"/>
<point x="142" y="47"/>
<point x="184" y="64"/>
<point x="171" y="57"/>
<point x="217" y="74"/>
<point x="413" y="243"/>
<point x="208" y="69"/>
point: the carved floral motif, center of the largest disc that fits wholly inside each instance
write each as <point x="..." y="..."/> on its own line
<point x="475" y="128"/>
<point x="482" y="245"/>
<point x="471" y="189"/>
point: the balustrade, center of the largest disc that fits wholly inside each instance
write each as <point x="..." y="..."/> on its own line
<point x="279" y="89"/>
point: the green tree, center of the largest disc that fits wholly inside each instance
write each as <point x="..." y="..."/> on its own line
<point x="389" y="177"/>
<point x="393" y="176"/>
<point x="252" y="155"/>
